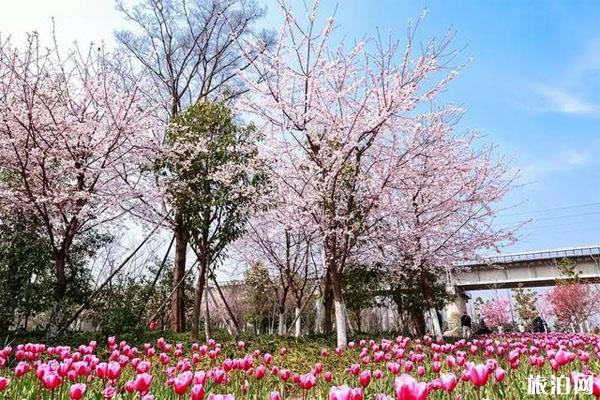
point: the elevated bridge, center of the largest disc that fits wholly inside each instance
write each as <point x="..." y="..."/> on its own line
<point x="529" y="269"/>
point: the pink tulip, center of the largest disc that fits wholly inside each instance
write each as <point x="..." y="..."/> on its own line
<point x="479" y="374"/>
<point x="260" y="372"/>
<point x="109" y="392"/>
<point x="274" y="396"/>
<point x="221" y="397"/>
<point x="51" y="380"/>
<point x="345" y="393"/>
<point x="448" y="381"/>
<point x="197" y="392"/>
<point x="408" y="388"/>
<point x="499" y="374"/>
<point x="307" y="381"/>
<point x="142" y="382"/>
<point x="113" y="371"/>
<point x="364" y="378"/>
<point x="77" y="391"/>
<point x="4" y="382"/>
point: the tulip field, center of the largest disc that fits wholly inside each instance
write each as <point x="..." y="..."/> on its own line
<point x="492" y="367"/>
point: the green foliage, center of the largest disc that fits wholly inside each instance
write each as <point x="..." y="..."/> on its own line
<point x="27" y="279"/>
<point x="259" y="294"/>
<point x="408" y="295"/>
<point x="213" y="174"/>
<point x="128" y="303"/>
<point x="25" y="273"/>
<point x="568" y="272"/>
<point x="525" y="304"/>
<point x="361" y="285"/>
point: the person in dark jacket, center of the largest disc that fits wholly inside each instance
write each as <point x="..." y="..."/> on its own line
<point x="465" y="323"/>
<point x="483" y="329"/>
<point x="539" y="325"/>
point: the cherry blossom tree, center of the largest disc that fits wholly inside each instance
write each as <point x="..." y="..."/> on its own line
<point x="72" y="134"/>
<point x="439" y="209"/>
<point x="573" y="303"/>
<point x="283" y="244"/>
<point x="336" y="113"/>
<point x="496" y="313"/>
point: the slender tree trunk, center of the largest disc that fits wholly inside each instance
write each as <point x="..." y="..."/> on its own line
<point x="177" y="301"/>
<point x="200" y="283"/>
<point x="281" y="328"/>
<point x="327" y="305"/>
<point x="319" y="315"/>
<point x="206" y="311"/>
<point x="235" y="326"/>
<point x="57" y="314"/>
<point x="358" y="321"/>
<point x="298" y="327"/>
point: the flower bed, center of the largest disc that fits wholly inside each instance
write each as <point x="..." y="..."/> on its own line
<point x="494" y="367"/>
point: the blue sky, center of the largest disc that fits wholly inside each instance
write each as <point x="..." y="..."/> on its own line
<point x="533" y="88"/>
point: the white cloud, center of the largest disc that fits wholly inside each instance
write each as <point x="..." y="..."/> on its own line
<point x="556" y="100"/>
<point x="575" y="158"/>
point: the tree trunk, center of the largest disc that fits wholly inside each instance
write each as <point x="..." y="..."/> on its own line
<point x="418" y="321"/>
<point x="319" y="315"/>
<point x="57" y="315"/>
<point x="358" y="321"/>
<point x="235" y="328"/>
<point x="340" y="309"/>
<point x="327" y="305"/>
<point x="298" y="327"/>
<point x="200" y="283"/>
<point x="281" y="328"/>
<point x="178" y="299"/>
<point x="206" y="311"/>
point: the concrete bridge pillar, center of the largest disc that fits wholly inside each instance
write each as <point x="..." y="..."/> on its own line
<point x="455" y="310"/>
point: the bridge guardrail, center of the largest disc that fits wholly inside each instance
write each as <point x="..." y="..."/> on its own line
<point x="537" y="255"/>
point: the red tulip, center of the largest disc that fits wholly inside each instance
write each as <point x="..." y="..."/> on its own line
<point x="596" y="386"/>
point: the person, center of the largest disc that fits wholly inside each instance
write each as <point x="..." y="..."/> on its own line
<point x="465" y="323"/>
<point x="539" y="325"/>
<point x="483" y="329"/>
